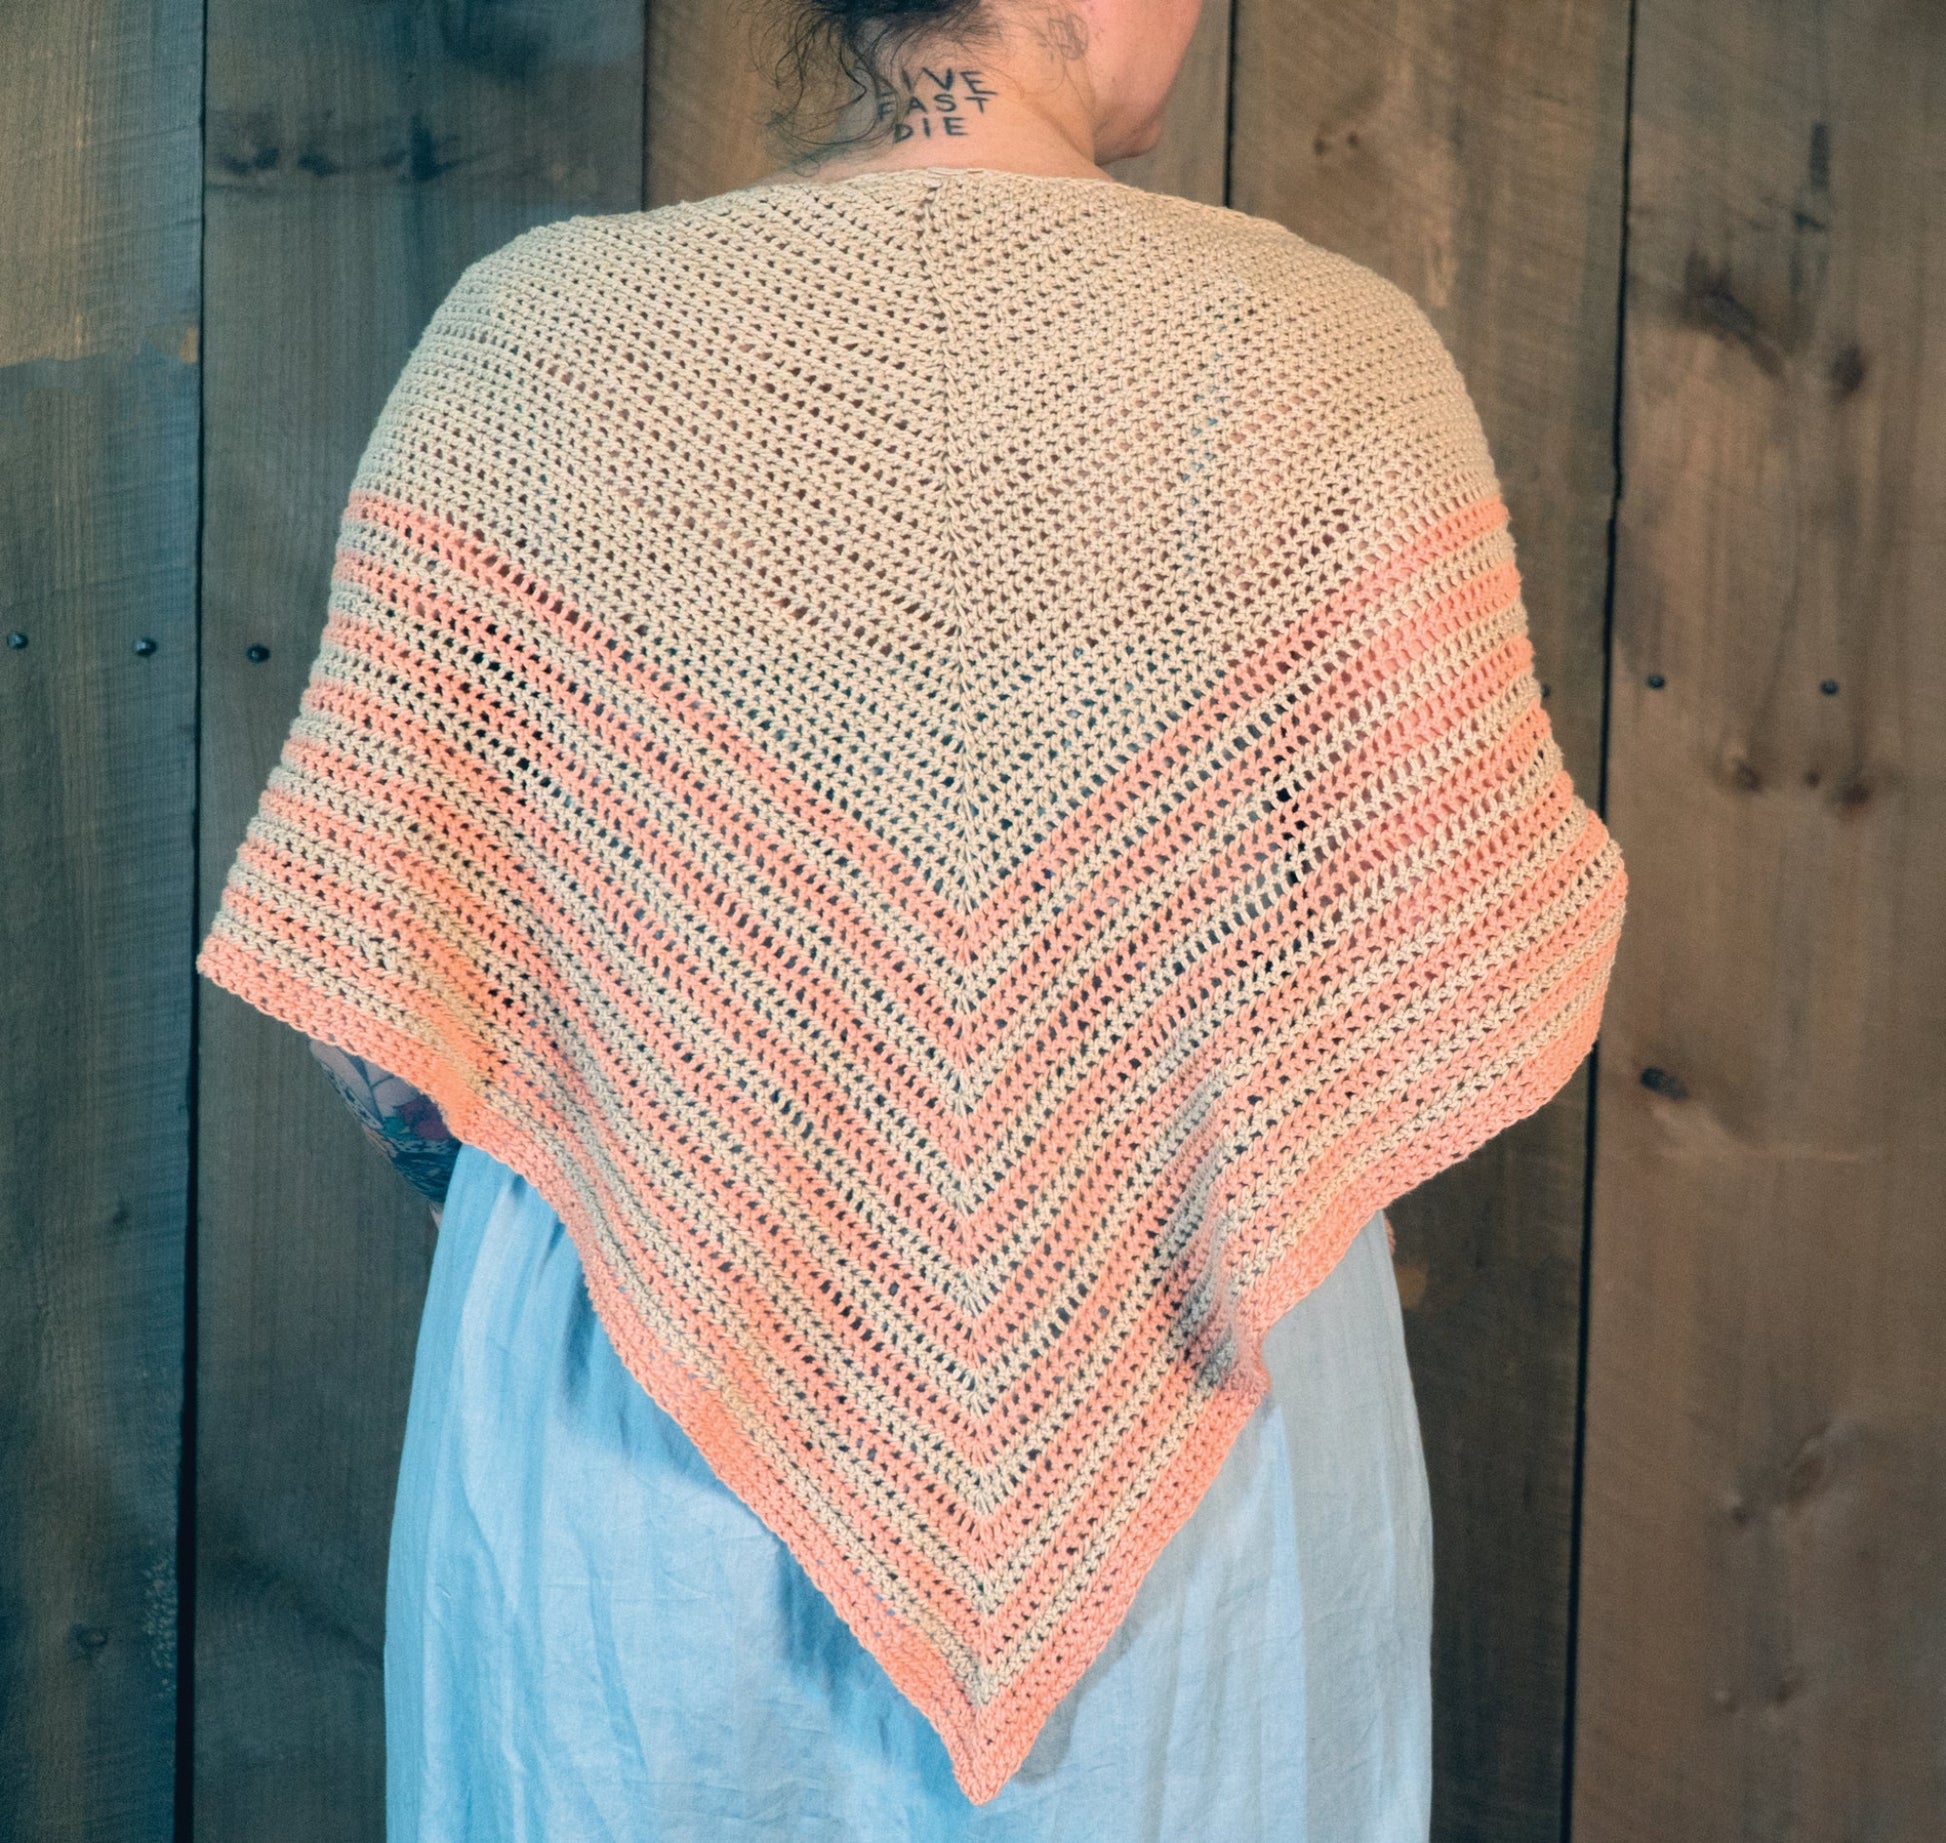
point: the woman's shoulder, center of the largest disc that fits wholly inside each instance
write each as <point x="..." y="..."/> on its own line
<point x="1303" y="321"/>
<point x="1258" y="264"/>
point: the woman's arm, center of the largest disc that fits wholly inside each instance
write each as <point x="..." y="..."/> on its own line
<point x="407" y="1127"/>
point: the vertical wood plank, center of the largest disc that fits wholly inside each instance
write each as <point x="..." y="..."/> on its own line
<point x="98" y="416"/>
<point x="357" y="159"/>
<point x="1472" y="153"/>
<point x="1763" y="1644"/>
<point x="710" y="89"/>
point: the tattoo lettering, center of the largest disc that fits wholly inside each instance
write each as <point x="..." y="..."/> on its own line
<point x="936" y="105"/>
<point x="403" y="1123"/>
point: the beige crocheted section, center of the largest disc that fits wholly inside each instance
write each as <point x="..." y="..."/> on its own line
<point x="948" y="764"/>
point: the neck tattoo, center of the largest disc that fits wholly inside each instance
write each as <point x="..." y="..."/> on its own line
<point x="935" y="105"/>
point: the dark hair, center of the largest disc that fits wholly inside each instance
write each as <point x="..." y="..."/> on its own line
<point x="852" y="48"/>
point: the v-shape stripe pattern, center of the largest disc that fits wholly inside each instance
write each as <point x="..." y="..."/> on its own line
<point x="949" y="765"/>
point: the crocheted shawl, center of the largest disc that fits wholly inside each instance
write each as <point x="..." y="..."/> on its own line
<point x="948" y="764"/>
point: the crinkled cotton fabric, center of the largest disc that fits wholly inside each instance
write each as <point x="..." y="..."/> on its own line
<point x="588" y="1636"/>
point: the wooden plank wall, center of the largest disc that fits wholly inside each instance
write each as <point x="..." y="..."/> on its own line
<point x="1763" y="1633"/>
<point x="1694" y="242"/>
<point x="100" y="218"/>
<point x="358" y="159"/>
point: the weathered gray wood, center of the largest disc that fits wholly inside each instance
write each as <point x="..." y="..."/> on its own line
<point x="358" y="159"/>
<point x="1471" y="151"/>
<point x="98" y="340"/>
<point x="1763" y="1634"/>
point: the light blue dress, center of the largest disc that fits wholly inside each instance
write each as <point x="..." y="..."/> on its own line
<point x="588" y="1637"/>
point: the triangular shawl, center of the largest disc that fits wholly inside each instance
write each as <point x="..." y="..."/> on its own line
<point x="947" y="763"/>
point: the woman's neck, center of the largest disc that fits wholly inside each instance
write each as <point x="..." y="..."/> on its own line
<point x="1025" y="109"/>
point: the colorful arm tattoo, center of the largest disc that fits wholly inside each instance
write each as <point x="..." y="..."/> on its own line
<point x="406" y="1126"/>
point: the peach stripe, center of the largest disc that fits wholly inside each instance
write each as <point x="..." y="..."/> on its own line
<point x="897" y="887"/>
<point x="837" y="1018"/>
<point x="1028" y="1176"/>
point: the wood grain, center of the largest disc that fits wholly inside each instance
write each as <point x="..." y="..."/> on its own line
<point x="1763" y="1646"/>
<point x="1472" y="153"/>
<point x="98" y="347"/>
<point x="358" y="159"/>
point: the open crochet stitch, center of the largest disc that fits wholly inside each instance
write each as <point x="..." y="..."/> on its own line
<point x="948" y="764"/>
